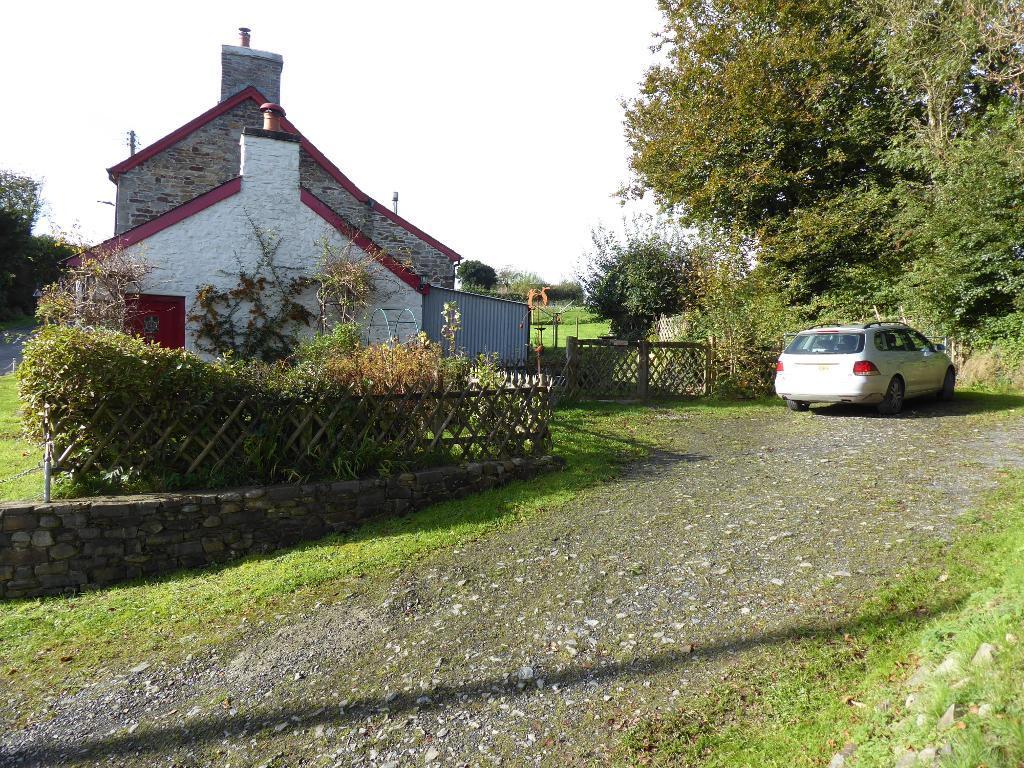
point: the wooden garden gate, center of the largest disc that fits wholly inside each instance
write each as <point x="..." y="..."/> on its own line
<point x="637" y="370"/>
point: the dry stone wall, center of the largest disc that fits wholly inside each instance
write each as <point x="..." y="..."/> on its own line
<point x="65" y="547"/>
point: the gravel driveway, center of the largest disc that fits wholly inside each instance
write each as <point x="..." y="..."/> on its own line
<point x="540" y="644"/>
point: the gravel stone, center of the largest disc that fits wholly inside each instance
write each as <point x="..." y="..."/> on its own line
<point x="626" y="601"/>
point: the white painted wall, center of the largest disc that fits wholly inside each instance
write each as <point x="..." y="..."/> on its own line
<point x="209" y="246"/>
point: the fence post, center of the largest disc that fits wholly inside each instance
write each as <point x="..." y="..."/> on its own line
<point x="47" y="455"/>
<point x="644" y="371"/>
<point x="709" y="366"/>
<point x="572" y="361"/>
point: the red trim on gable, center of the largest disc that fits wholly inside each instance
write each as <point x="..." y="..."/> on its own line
<point x="332" y="170"/>
<point x="362" y="197"/>
<point x="174" y="137"/>
<point x="332" y="218"/>
<point x="171" y="217"/>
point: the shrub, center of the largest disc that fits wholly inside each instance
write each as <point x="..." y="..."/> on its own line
<point x="344" y="339"/>
<point x="634" y="281"/>
<point x="75" y="368"/>
<point x="111" y="395"/>
<point x="567" y="290"/>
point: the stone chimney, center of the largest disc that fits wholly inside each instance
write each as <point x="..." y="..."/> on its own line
<point x="242" y="66"/>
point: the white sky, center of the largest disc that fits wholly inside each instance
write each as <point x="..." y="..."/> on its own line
<point x="500" y="129"/>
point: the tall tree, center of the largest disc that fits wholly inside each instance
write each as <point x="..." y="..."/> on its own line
<point x="27" y="262"/>
<point x="774" y="118"/>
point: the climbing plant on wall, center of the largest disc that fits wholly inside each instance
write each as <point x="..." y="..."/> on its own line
<point x="344" y="284"/>
<point x="261" y="316"/>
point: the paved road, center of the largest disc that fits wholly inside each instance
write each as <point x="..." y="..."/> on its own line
<point x="11" y="342"/>
<point x="538" y="645"/>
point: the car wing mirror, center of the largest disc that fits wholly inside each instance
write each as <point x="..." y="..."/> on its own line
<point x="939" y="347"/>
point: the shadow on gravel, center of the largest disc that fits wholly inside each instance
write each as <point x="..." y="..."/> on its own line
<point x="964" y="404"/>
<point x="152" y="740"/>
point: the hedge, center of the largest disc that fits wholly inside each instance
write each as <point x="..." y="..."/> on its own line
<point x="135" y="413"/>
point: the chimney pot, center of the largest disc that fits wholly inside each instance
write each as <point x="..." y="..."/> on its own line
<point x="272" y="114"/>
<point x="243" y="34"/>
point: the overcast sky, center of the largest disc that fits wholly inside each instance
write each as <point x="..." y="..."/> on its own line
<point x="501" y="130"/>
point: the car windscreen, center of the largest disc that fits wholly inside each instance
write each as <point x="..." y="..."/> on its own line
<point x="826" y="343"/>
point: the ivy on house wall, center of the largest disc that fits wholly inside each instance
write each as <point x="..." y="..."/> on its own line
<point x="261" y="316"/>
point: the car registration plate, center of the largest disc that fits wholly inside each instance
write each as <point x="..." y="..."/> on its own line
<point x="824" y="368"/>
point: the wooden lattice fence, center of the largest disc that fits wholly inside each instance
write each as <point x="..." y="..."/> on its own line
<point x="238" y="440"/>
<point x="627" y="370"/>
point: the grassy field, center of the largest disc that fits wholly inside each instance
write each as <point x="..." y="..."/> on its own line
<point x="16" y="455"/>
<point x="933" y="664"/>
<point x="589" y="327"/>
<point x="57" y="644"/>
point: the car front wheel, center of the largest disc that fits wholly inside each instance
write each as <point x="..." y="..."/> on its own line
<point x="797" y="405"/>
<point x="948" y="385"/>
<point x="892" y="403"/>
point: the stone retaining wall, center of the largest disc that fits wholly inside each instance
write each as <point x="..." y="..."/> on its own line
<point x="64" y="547"/>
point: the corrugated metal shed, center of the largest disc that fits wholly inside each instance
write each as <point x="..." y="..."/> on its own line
<point x="489" y="325"/>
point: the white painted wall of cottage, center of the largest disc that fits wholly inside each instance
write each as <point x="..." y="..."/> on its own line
<point x="208" y="246"/>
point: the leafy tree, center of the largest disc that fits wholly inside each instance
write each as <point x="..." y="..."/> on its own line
<point x="476" y="273"/>
<point x="21" y="196"/>
<point x="518" y="282"/>
<point x="637" y="279"/>
<point x="27" y="262"/>
<point x="772" y="117"/>
<point x="869" y="152"/>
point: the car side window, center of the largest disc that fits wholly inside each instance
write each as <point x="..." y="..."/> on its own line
<point x="913" y="342"/>
<point x="889" y="341"/>
<point x="922" y="339"/>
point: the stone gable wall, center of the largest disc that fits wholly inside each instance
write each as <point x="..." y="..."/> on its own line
<point x="65" y="547"/>
<point x="209" y="156"/>
<point x="204" y="159"/>
<point x="428" y="262"/>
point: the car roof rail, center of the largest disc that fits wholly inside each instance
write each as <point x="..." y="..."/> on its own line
<point x="886" y="322"/>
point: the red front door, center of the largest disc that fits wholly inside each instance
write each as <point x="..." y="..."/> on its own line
<point x="158" y="319"/>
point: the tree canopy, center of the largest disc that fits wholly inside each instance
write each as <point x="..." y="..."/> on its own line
<point x="476" y="273"/>
<point x="869" y="152"/>
<point x="27" y="261"/>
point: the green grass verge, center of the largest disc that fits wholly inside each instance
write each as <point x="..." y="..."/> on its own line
<point x="58" y="643"/>
<point x="883" y="679"/>
<point x="589" y="327"/>
<point x="16" y="455"/>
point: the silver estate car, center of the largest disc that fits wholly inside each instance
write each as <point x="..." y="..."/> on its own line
<point x="876" y="363"/>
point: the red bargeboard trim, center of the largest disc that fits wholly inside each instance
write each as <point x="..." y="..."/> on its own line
<point x="332" y="170"/>
<point x="327" y="214"/>
<point x="362" y="197"/>
<point x="165" y="220"/>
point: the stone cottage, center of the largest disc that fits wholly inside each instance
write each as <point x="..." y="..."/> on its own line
<point x="188" y="205"/>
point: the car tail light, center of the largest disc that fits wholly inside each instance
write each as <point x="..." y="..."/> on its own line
<point x="778" y="367"/>
<point x="865" y="368"/>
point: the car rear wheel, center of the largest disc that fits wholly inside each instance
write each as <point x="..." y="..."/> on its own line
<point x="948" y="385"/>
<point x="892" y="403"/>
<point x="797" y="405"/>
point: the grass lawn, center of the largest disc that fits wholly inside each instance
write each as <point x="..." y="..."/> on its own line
<point x="16" y="455"/>
<point x="884" y="680"/>
<point x="58" y="644"/>
<point x="589" y="327"/>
